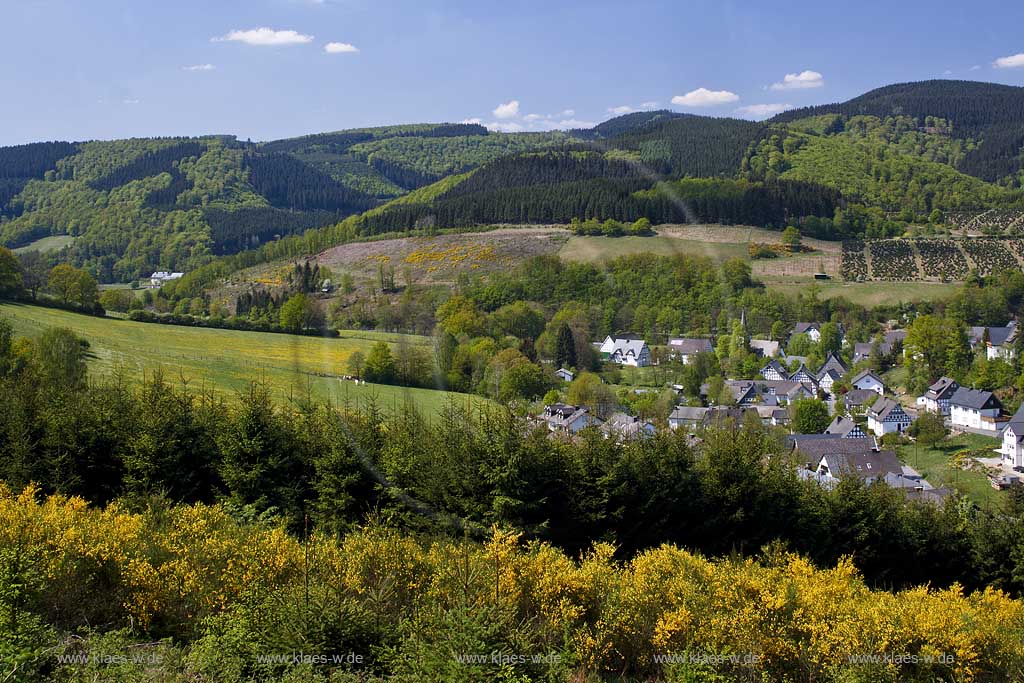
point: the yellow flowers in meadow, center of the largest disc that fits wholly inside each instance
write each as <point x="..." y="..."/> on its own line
<point x="795" y="621"/>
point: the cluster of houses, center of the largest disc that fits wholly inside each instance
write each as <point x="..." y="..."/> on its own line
<point x="569" y="420"/>
<point x="849" y="444"/>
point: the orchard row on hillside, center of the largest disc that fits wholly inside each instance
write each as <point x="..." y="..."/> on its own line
<point x="929" y="259"/>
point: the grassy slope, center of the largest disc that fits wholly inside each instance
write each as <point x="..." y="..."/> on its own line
<point x="933" y="463"/>
<point x="47" y="244"/>
<point x="226" y="360"/>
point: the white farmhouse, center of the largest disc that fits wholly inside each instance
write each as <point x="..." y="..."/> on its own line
<point x="974" y="408"/>
<point x="936" y="399"/>
<point x="161" y="277"/>
<point x="886" y="416"/>
<point x="867" y="379"/>
<point x="1012" y="449"/>
<point x="626" y="351"/>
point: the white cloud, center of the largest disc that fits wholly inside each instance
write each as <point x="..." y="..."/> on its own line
<point x="534" y="117"/>
<point x="947" y="72"/>
<point x="575" y="123"/>
<point x="976" y="67"/>
<point x="505" y="126"/>
<point x="568" y="112"/>
<point x="1011" y="62"/>
<point x="649" y="105"/>
<point x="476" y="121"/>
<point x="265" y="37"/>
<point x="759" y="111"/>
<point x="199" y="67"/>
<point x="622" y="109"/>
<point x="339" y="48"/>
<point x="702" y="97"/>
<point x="508" y="110"/>
<point x="130" y="101"/>
<point x="801" y="81"/>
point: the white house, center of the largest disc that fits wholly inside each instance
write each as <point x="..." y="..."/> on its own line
<point x="936" y="399"/>
<point x="867" y="379"/>
<point x="686" y="349"/>
<point x="626" y="351"/>
<point x="1000" y="341"/>
<point x="974" y="408"/>
<point x="687" y="417"/>
<point x="886" y="416"/>
<point x="1013" y="440"/>
<point x="564" y="374"/>
<point x="813" y="330"/>
<point x="568" y="419"/>
<point x="161" y="277"/>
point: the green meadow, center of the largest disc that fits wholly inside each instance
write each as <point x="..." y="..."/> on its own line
<point x="225" y="361"/>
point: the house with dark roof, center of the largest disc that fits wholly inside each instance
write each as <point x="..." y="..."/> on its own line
<point x="813" y="330"/>
<point x="975" y="409"/>
<point x="835" y="363"/>
<point x="886" y="416"/>
<point x="830" y="457"/>
<point x="802" y="374"/>
<point x="743" y="391"/>
<point x="687" y="348"/>
<point x="784" y="390"/>
<point x="623" y="427"/>
<point x="936" y="399"/>
<point x="862" y="350"/>
<point x="845" y="428"/>
<point x="1000" y="340"/>
<point x="774" y="371"/>
<point x="686" y="417"/>
<point x="867" y="379"/>
<point x="1012" y="449"/>
<point x="859" y="400"/>
<point x="568" y="419"/>
<point x="827" y="379"/>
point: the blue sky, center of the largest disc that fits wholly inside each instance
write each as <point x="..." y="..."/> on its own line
<point x="106" y="69"/>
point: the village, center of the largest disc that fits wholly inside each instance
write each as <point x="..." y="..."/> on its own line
<point x="867" y="416"/>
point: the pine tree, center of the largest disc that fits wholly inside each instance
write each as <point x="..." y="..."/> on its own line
<point x="565" y="347"/>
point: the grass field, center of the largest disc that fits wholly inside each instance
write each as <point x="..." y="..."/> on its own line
<point x="934" y="465"/>
<point x="52" y="243"/>
<point x="597" y="249"/>
<point x="865" y="293"/>
<point x="227" y="360"/>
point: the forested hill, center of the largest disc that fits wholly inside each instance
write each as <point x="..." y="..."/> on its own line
<point x="867" y="167"/>
<point x="989" y="113"/>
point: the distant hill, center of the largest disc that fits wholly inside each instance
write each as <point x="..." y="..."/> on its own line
<point x="990" y="113"/>
<point x="899" y="153"/>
